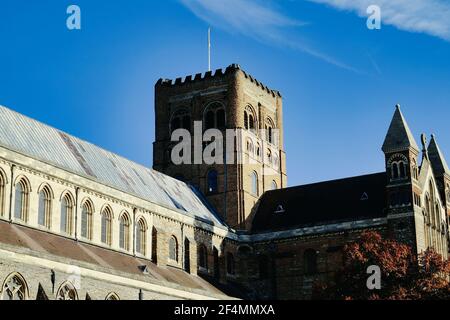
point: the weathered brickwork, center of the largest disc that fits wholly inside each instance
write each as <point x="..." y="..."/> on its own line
<point x="237" y="93"/>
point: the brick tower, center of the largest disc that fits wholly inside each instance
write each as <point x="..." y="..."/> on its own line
<point x="403" y="189"/>
<point x="254" y="161"/>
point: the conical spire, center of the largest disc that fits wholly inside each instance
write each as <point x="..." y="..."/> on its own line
<point x="436" y="158"/>
<point x="399" y="136"/>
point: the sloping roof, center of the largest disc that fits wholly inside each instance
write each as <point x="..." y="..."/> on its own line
<point x="436" y="158"/>
<point x="399" y="136"/>
<point x="64" y="250"/>
<point x="328" y="202"/>
<point x="42" y="142"/>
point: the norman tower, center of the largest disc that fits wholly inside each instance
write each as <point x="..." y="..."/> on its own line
<point x="230" y="99"/>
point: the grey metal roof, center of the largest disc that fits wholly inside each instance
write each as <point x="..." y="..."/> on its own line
<point x="40" y="141"/>
<point x="399" y="136"/>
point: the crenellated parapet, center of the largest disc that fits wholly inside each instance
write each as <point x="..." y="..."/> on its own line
<point x="218" y="74"/>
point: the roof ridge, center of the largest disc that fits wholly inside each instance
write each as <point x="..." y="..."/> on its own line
<point x="330" y="181"/>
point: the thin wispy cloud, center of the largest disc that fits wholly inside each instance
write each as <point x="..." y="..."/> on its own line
<point x="255" y="19"/>
<point x="431" y="17"/>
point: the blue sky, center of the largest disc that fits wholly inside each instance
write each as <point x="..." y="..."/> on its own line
<point x="339" y="80"/>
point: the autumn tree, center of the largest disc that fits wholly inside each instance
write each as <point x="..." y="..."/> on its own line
<point x="403" y="274"/>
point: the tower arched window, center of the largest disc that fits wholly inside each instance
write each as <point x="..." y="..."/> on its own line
<point x="273" y="185"/>
<point x="250" y="148"/>
<point x="251" y="122"/>
<point x="230" y="263"/>
<point x="67" y="291"/>
<point x="269" y="126"/>
<point x="2" y="194"/>
<point x="212" y="185"/>
<point x="203" y="257"/>
<point x="214" y="116"/>
<point x="141" y="236"/>
<point x="14" y="288"/>
<point x="395" y="170"/>
<point x="106" y="228"/>
<point x="220" y="119"/>
<point x="249" y="118"/>
<point x="402" y="169"/>
<point x="254" y="183"/>
<point x="124" y="232"/>
<point x="66" y="219"/>
<point x="181" y="119"/>
<point x="246" y="120"/>
<point x="87" y="211"/>
<point x="45" y="205"/>
<point x="21" y="200"/>
<point x="269" y="156"/>
<point x="310" y="261"/>
<point x="173" y="248"/>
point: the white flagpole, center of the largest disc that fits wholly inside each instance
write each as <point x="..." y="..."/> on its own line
<point x="209" y="49"/>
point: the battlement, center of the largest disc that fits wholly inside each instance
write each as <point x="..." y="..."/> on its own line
<point x="209" y="75"/>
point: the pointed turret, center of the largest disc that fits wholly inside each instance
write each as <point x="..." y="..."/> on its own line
<point x="437" y="159"/>
<point x="399" y="136"/>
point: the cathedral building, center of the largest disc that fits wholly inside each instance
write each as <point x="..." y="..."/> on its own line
<point x="79" y="222"/>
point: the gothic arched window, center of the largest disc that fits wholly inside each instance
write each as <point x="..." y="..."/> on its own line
<point x="173" y="248"/>
<point x="310" y="261"/>
<point x="66" y="218"/>
<point x="124" y="232"/>
<point x="141" y="236"/>
<point x="15" y="288"/>
<point x="21" y="200"/>
<point x="87" y="211"/>
<point x="212" y="186"/>
<point x="254" y="183"/>
<point x="230" y="263"/>
<point x="106" y="228"/>
<point x="2" y="194"/>
<point x="44" y="209"/>
<point x="67" y="292"/>
<point x="203" y="257"/>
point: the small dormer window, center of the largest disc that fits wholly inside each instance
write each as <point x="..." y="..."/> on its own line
<point x="279" y="209"/>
